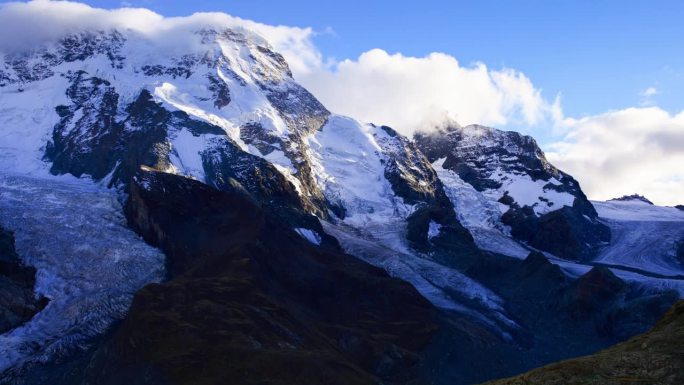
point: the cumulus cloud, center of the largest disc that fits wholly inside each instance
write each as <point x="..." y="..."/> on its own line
<point x="635" y="150"/>
<point x="408" y="93"/>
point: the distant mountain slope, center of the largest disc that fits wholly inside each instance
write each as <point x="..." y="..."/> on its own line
<point x="655" y="357"/>
<point x="543" y="206"/>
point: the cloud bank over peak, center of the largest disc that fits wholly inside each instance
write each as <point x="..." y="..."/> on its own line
<point x="26" y="24"/>
<point x="634" y="150"/>
<point x="408" y="93"/>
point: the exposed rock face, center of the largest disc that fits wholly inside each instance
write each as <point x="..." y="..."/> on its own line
<point x="654" y="357"/>
<point x="18" y="302"/>
<point x="251" y="301"/>
<point x="414" y="180"/>
<point x="545" y="207"/>
<point x="633" y="197"/>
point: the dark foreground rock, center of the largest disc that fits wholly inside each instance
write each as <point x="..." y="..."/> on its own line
<point x="252" y="302"/>
<point x="655" y="357"/>
<point x="17" y="300"/>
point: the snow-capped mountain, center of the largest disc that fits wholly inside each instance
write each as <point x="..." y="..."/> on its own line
<point x="216" y="115"/>
<point x="542" y="205"/>
<point x="225" y="110"/>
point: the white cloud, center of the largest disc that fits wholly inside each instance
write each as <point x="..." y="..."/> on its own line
<point x="647" y="97"/>
<point x="407" y="93"/>
<point x="635" y="150"/>
<point x="650" y="91"/>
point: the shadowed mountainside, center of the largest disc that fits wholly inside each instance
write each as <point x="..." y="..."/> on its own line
<point x="655" y="357"/>
<point x="251" y="301"/>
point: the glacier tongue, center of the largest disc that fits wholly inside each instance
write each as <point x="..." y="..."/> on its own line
<point x="89" y="264"/>
<point x="645" y="236"/>
<point x="381" y="245"/>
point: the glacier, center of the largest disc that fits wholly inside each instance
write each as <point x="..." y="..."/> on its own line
<point x="89" y="263"/>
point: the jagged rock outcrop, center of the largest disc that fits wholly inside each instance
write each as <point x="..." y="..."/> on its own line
<point x="655" y="357"/>
<point x="544" y="206"/>
<point x="250" y="301"/>
<point x="633" y="197"/>
<point x="18" y="302"/>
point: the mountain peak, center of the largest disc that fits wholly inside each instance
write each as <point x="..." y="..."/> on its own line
<point x="633" y="198"/>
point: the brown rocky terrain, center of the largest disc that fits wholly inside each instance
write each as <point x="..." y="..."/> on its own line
<point x="17" y="301"/>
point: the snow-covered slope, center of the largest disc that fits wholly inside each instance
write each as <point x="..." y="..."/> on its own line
<point x="479" y="214"/>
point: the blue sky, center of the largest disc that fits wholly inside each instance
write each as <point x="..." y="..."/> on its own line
<point x="598" y="55"/>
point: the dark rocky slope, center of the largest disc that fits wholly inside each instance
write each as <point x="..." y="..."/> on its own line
<point x="17" y="299"/>
<point x="655" y="357"/>
<point x="251" y="302"/>
<point x="560" y="318"/>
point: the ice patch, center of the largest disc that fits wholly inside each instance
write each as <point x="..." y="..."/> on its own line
<point x="433" y="229"/>
<point x="309" y="235"/>
<point x="528" y="192"/>
<point x="186" y="154"/>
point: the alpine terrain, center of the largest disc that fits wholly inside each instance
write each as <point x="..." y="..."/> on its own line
<point x="181" y="211"/>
